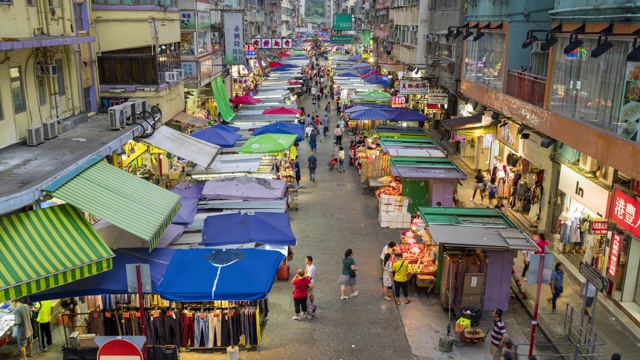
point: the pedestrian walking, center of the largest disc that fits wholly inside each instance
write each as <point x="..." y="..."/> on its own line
<point x="310" y="273"/>
<point x="307" y="131"/>
<point x="296" y="168"/>
<point x="493" y="190"/>
<point x="312" y="164"/>
<point x="292" y="193"/>
<point x="341" y="159"/>
<point x="301" y="284"/>
<point x="590" y="293"/>
<point x="23" y="331"/>
<point x="479" y="186"/>
<point x="387" y="276"/>
<point x="557" y="278"/>
<point x="400" y="280"/>
<point x="348" y="275"/>
<point x="526" y="257"/>
<point x="338" y="133"/>
<point x="43" y="309"/>
<point x="498" y="335"/>
<point x="325" y="124"/>
<point x="327" y="108"/>
<point x="338" y="109"/>
<point x="313" y="140"/>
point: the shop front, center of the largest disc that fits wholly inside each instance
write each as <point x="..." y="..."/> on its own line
<point x="578" y="203"/>
<point x="474" y="136"/>
<point x="623" y="251"/>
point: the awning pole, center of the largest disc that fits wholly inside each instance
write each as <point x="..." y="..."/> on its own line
<point x="534" y="321"/>
<point x="141" y="303"/>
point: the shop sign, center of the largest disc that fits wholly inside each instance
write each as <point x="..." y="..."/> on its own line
<point x="398" y="101"/>
<point x="418" y="87"/>
<point x="534" y="268"/>
<point x="630" y="104"/>
<point x="437" y="96"/>
<point x="233" y="38"/>
<point x="342" y="22"/>
<point x="204" y="20"/>
<point x="626" y="212"/>
<point x="614" y="254"/>
<point x="508" y="135"/>
<point x="189" y="68"/>
<point x="187" y="19"/>
<point x="342" y="39"/>
<point x="583" y="190"/>
<point x="598" y="227"/>
<point x="241" y="81"/>
<point x="286" y="43"/>
<point x="593" y="277"/>
<point x="250" y="50"/>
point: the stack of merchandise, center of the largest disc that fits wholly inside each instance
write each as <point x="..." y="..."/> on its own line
<point x="372" y="165"/>
<point x="392" y="212"/>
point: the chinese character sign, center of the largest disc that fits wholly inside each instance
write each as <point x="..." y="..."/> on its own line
<point x="234" y="38"/>
<point x="187" y="19"/>
<point x="398" y="101"/>
<point x="598" y="227"/>
<point x="265" y="43"/>
<point x="626" y="212"/>
<point x="275" y="43"/>
<point x="286" y="43"/>
<point x="189" y="68"/>
<point x="418" y="87"/>
<point x="614" y="254"/>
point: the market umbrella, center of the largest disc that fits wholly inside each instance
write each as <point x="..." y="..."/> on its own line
<point x="275" y="64"/>
<point x="245" y="99"/>
<point x="375" y="94"/>
<point x="371" y="114"/>
<point x="217" y="135"/>
<point x="268" y="144"/>
<point x="281" y="128"/>
<point x="378" y="80"/>
<point x="359" y="108"/>
<point x="306" y="41"/>
<point x="361" y="65"/>
<point x="282" y="111"/>
<point x="400" y="114"/>
<point x="348" y="74"/>
<point x="283" y="54"/>
<point x="290" y="66"/>
<point x="227" y="127"/>
<point x="220" y="259"/>
<point x="370" y="74"/>
<point x="338" y="47"/>
<point x="364" y="70"/>
<point x="236" y="228"/>
<point x="283" y="69"/>
<point x="354" y="58"/>
<point x="244" y="188"/>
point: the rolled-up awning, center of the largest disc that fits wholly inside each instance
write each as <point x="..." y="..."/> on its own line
<point x="46" y="248"/>
<point x="470" y="126"/>
<point x="187" y="119"/>
<point x="118" y="197"/>
<point x="222" y="99"/>
<point x="188" y="147"/>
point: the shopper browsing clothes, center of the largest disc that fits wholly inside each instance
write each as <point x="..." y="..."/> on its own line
<point x="300" y="286"/>
<point x="348" y="275"/>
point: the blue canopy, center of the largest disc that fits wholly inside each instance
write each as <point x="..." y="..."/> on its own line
<point x="283" y="69"/>
<point x="191" y="277"/>
<point x="371" y="114"/>
<point x="378" y="80"/>
<point x="235" y="228"/>
<point x="348" y="74"/>
<point x="362" y="65"/>
<point x="217" y="135"/>
<point x="354" y="58"/>
<point x="227" y="127"/>
<point x="289" y="66"/>
<point x="358" y="108"/>
<point x="407" y="115"/>
<point x="187" y="212"/>
<point x="113" y="281"/>
<point x="281" y="128"/>
<point x="364" y="70"/>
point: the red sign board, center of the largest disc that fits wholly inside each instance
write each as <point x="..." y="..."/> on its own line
<point x="598" y="227"/>
<point x="626" y="212"/>
<point x="119" y="349"/>
<point x="398" y="101"/>
<point x="614" y="254"/>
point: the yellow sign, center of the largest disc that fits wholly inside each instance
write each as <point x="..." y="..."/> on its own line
<point x="133" y="150"/>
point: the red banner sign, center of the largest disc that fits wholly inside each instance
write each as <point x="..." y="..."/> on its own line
<point x="626" y="212"/>
<point x="614" y="254"/>
<point x="398" y="101"/>
<point x="598" y="227"/>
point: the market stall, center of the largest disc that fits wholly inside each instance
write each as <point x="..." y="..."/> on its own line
<point x="411" y="147"/>
<point x="403" y="132"/>
<point x="237" y="228"/>
<point x="474" y="245"/>
<point x="233" y="165"/>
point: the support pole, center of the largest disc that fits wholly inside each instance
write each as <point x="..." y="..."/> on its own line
<point x="534" y="321"/>
<point x="143" y="326"/>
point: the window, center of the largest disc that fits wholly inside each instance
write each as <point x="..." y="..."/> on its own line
<point x="62" y="91"/>
<point x="483" y="62"/>
<point x="42" y="90"/>
<point x="588" y="89"/>
<point x="171" y="3"/>
<point x="138" y="66"/>
<point x="80" y="18"/>
<point x="17" y="90"/>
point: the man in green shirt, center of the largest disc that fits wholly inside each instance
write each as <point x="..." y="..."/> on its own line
<point x="43" y="308"/>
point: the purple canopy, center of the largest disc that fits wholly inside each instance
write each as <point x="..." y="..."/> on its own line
<point x="364" y="70"/>
<point x="244" y="188"/>
<point x="407" y="115"/>
<point x="188" y="209"/>
<point x="192" y="191"/>
<point x="371" y="114"/>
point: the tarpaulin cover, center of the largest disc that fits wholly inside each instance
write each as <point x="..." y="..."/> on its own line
<point x="237" y="228"/>
<point x="281" y="128"/>
<point x="348" y="74"/>
<point x="191" y="190"/>
<point x="245" y="100"/>
<point x="222" y="99"/>
<point x="364" y="70"/>
<point x="378" y="80"/>
<point x="117" y="238"/>
<point x="190" y="277"/>
<point x="282" y="111"/>
<point x="217" y="135"/>
<point x="244" y="188"/>
<point x="275" y="64"/>
<point x="114" y="281"/>
<point x="188" y="209"/>
<point x="198" y="150"/>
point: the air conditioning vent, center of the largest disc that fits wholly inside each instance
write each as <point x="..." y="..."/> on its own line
<point x="413" y="28"/>
<point x="117" y="117"/>
<point x="141" y="105"/>
<point x="46" y="70"/>
<point x="537" y="46"/>
<point x="588" y="163"/>
<point x="171" y="76"/>
<point x="50" y="129"/>
<point x="35" y="135"/>
<point x="606" y="174"/>
<point x="180" y="73"/>
<point x="129" y="111"/>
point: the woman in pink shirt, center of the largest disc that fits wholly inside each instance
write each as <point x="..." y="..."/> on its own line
<point x="541" y="241"/>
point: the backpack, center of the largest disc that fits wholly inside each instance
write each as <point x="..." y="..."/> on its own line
<point x="313" y="163"/>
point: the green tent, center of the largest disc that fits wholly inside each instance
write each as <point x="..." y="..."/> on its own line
<point x="375" y="94"/>
<point x="222" y="99"/>
<point x="268" y="144"/>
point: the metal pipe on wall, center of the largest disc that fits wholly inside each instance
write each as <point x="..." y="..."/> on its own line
<point x="635" y="5"/>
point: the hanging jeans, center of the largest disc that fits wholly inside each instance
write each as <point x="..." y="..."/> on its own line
<point x="226" y="331"/>
<point x="202" y="330"/>
<point x="215" y="328"/>
<point x="187" y="326"/>
<point x="172" y="329"/>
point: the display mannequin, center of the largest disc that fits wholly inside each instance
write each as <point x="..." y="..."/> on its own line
<point x="575" y="227"/>
<point x="589" y="248"/>
<point x="521" y="191"/>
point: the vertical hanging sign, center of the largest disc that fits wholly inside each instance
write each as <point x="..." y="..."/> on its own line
<point x="234" y="38"/>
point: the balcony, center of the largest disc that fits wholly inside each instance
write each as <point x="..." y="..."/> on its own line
<point x="527" y="87"/>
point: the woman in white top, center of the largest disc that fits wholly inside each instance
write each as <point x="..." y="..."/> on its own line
<point x="341" y="159"/>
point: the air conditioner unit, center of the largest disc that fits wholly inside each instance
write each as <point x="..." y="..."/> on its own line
<point x="588" y="163"/>
<point x="171" y="76"/>
<point x="35" y="135"/>
<point x="129" y="109"/>
<point x="141" y="105"/>
<point x="606" y="174"/>
<point x="117" y="117"/>
<point x="50" y="129"/>
<point x="46" y="70"/>
<point x="426" y="37"/>
<point x="413" y="28"/>
<point x="180" y="73"/>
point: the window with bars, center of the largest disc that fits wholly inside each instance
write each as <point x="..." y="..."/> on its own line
<point x="138" y="66"/>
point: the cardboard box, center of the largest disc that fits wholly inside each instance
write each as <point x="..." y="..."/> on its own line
<point x="473" y="284"/>
<point x="471" y="300"/>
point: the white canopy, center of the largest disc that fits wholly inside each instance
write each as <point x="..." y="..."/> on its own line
<point x="183" y="145"/>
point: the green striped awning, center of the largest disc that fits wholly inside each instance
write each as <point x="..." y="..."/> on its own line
<point x="120" y="198"/>
<point x="46" y="248"/>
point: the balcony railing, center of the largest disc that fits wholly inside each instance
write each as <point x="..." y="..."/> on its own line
<point x="527" y="87"/>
